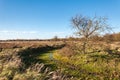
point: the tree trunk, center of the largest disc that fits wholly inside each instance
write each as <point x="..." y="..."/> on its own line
<point x="85" y="45"/>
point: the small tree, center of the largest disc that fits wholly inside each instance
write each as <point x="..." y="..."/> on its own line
<point x="55" y="38"/>
<point x="86" y="27"/>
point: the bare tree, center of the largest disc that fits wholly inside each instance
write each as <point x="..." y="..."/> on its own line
<point x="86" y="27"/>
<point x="55" y="38"/>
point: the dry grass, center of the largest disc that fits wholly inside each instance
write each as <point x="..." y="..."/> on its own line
<point x="13" y="62"/>
<point x="18" y="61"/>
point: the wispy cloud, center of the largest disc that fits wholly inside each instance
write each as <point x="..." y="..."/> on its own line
<point x="17" y="32"/>
<point x="54" y="33"/>
<point x="12" y="34"/>
<point x="29" y="32"/>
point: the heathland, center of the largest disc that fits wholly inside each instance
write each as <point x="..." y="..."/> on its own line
<point x="59" y="60"/>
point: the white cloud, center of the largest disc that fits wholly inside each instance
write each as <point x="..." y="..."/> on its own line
<point x="54" y="33"/>
<point x="17" y="32"/>
<point x="11" y="34"/>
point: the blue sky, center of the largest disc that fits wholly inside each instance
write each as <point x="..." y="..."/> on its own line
<point x="43" y="19"/>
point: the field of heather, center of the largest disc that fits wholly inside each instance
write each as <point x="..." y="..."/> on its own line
<point x="58" y="60"/>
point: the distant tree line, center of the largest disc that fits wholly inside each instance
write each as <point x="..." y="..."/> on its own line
<point x="106" y="37"/>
